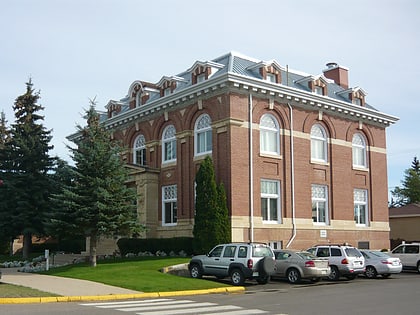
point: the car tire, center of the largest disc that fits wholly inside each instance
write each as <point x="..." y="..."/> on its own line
<point x="418" y="266"/>
<point x="293" y="275"/>
<point x="334" y="274"/>
<point x="195" y="271"/>
<point x="263" y="280"/>
<point x="371" y="272"/>
<point x="237" y="277"/>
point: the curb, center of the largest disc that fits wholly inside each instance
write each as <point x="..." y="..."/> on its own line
<point x="31" y="300"/>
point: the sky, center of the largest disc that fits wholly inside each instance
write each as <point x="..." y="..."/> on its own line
<point x="77" y="50"/>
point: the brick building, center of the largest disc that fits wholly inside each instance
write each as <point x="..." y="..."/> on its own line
<point x="310" y="167"/>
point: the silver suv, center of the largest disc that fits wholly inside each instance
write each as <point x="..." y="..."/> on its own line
<point x="346" y="261"/>
<point x="239" y="261"/>
<point x="409" y="254"/>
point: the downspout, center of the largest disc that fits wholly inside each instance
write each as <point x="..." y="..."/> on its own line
<point x="292" y="166"/>
<point x="251" y="174"/>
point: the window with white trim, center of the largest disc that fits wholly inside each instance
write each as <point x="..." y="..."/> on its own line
<point x="139" y="151"/>
<point x="319" y="90"/>
<point x="269" y="135"/>
<point x="169" y="205"/>
<point x="271" y="77"/>
<point x="319" y="143"/>
<point x="169" y="144"/>
<point x="359" y="151"/>
<point x="201" y="77"/>
<point x="319" y="204"/>
<point x="270" y="200"/>
<point x="203" y="135"/>
<point x="360" y="206"/>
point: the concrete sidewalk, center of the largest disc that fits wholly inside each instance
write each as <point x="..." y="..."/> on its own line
<point x="60" y="285"/>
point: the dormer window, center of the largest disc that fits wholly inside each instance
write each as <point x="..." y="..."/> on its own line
<point x="271" y="77"/>
<point x="201" y="78"/>
<point x="167" y="91"/>
<point x="357" y="101"/>
<point x="319" y="90"/>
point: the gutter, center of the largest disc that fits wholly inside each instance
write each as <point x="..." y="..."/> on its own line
<point x="292" y="166"/>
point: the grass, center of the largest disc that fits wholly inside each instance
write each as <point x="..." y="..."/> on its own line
<point x="17" y="291"/>
<point x="140" y="275"/>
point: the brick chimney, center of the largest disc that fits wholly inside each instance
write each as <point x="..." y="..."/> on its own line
<point x="339" y="74"/>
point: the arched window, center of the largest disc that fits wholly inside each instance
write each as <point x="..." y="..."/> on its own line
<point x="269" y="135"/>
<point x="169" y="144"/>
<point x="139" y="151"/>
<point x="203" y="135"/>
<point x="318" y="143"/>
<point x="359" y="151"/>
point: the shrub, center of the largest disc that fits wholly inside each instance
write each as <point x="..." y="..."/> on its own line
<point x="153" y="245"/>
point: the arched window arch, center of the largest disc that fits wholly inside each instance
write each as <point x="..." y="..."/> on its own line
<point x="319" y="150"/>
<point x="169" y="144"/>
<point x="269" y="135"/>
<point x="139" y="150"/>
<point x="203" y="135"/>
<point x="359" y="151"/>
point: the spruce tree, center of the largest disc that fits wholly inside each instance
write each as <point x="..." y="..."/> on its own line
<point x="211" y="223"/>
<point x="97" y="203"/>
<point x="26" y="166"/>
<point x="409" y="192"/>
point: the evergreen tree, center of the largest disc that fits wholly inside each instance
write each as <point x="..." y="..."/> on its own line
<point x="97" y="202"/>
<point x="26" y="167"/>
<point x="211" y="223"/>
<point x="410" y="190"/>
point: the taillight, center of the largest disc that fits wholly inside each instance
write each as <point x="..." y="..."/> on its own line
<point x="386" y="262"/>
<point x="250" y="263"/>
<point x="345" y="261"/>
<point x="309" y="263"/>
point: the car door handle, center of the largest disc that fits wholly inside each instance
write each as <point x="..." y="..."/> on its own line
<point x="216" y="259"/>
<point x="232" y="259"/>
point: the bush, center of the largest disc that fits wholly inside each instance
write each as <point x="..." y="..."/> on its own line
<point x="137" y="245"/>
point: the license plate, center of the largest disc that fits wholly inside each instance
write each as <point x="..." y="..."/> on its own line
<point x="395" y="263"/>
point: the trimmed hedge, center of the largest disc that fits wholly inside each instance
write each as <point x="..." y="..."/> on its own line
<point x="137" y="245"/>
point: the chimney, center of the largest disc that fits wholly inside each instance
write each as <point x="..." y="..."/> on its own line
<point x="339" y="74"/>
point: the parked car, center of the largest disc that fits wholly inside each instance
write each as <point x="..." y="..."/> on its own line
<point x="380" y="263"/>
<point x="300" y="265"/>
<point x="239" y="261"/>
<point x="344" y="260"/>
<point x="409" y="254"/>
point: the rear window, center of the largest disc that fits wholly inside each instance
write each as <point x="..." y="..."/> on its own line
<point x="262" y="251"/>
<point x="352" y="252"/>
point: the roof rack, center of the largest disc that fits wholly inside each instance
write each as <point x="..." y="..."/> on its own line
<point x="332" y="244"/>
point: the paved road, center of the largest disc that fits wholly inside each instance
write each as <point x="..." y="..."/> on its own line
<point x="397" y="295"/>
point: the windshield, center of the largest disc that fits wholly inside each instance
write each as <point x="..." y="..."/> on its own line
<point x="352" y="252"/>
<point x="262" y="251"/>
<point x="379" y="254"/>
<point x="306" y="255"/>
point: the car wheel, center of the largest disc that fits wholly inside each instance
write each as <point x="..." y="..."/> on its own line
<point x="418" y="266"/>
<point x="263" y="280"/>
<point x="334" y="274"/>
<point x="237" y="277"/>
<point x="315" y="280"/>
<point x="195" y="271"/>
<point x="371" y="272"/>
<point x="293" y="275"/>
<point x="386" y="275"/>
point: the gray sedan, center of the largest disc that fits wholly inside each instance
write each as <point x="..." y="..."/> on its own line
<point x="300" y="265"/>
<point x="379" y="263"/>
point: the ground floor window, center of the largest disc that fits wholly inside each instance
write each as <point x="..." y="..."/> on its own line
<point x="169" y="205"/>
<point x="319" y="204"/>
<point x="360" y="206"/>
<point x="270" y="200"/>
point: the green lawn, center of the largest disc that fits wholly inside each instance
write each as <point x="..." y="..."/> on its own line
<point x="140" y="275"/>
<point x="17" y="291"/>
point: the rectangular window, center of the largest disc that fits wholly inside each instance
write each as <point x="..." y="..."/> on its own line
<point x="204" y="142"/>
<point x="201" y="78"/>
<point x="319" y="204"/>
<point x="169" y="205"/>
<point x="270" y="77"/>
<point x="270" y="200"/>
<point x="167" y="91"/>
<point x="319" y="90"/>
<point x="360" y="206"/>
<point x="141" y="156"/>
<point x="170" y="150"/>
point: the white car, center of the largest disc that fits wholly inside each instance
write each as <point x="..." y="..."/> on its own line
<point x="379" y="263"/>
<point x="409" y="254"/>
